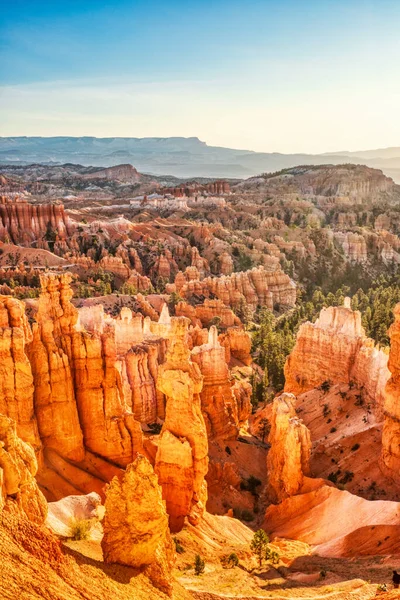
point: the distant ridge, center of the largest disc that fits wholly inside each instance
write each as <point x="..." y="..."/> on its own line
<point x="179" y="156"/>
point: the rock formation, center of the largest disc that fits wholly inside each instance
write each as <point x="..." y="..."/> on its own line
<point x="237" y="344"/>
<point x="289" y="456"/>
<point x="255" y="287"/>
<point x="192" y="188"/>
<point x="16" y="380"/>
<point x="22" y="223"/>
<point x="124" y="173"/>
<point x="335" y="348"/>
<point x="390" y="457"/>
<point x="18" y="467"/>
<point x="218" y="403"/>
<point x="182" y="455"/>
<point x="354" y="246"/>
<point x="207" y="313"/>
<point x="136" y="524"/>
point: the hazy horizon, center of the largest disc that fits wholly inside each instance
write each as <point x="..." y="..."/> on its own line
<point x="288" y="77"/>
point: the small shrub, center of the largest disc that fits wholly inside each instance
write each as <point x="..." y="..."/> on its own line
<point x="229" y="561"/>
<point x="80" y="529"/>
<point x="178" y="546"/>
<point x="325" y="386"/>
<point x="326" y="410"/>
<point x="154" y="427"/>
<point x="322" y="573"/>
<point x="228" y="450"/>
<point x="250" y="484"/>
<point x="359" y="401"/>
<point x="334" y="476"/>
<point x="247" y="516"/>
<point x="272" y="556"/>
<point x="199" y="565"/>
<point x="333" y="429"/>
<point x="355" y="447"/>
<point x="348" y="476"/>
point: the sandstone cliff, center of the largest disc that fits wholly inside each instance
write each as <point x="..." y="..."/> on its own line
<point x="335" y="348"/>
<point x="136" y="524"/>
<point x="18" y="466"/>
<point x="390" y="456"/>
<point x="182" y="455"/>
<point x="23" y="223"/>
<point x="16" y="380"/>
<point x="289" y="456"/>
<point x="255" y="287"/>
<point x="218" y="403"/>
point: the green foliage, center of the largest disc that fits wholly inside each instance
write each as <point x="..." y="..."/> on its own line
<point x="259" y="545"/>
<point x="178" y="546"/>
<point x="80" y="529"/>
<point x="199" y="565"/>
<point x="272" y="556"/>
<point x="241" y="261"/>
<point x="128" y="289"/>
<point x="272" y="343"/>
<point x="229" y="561"/>
<point x="174" y="299"/>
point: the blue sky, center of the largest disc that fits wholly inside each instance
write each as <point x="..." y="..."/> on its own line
<point x="266" y="75"/>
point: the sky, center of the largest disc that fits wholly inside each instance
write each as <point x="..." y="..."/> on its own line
<point x="273" y="76"/>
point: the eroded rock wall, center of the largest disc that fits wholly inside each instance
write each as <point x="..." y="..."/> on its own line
<point x="289" y="456"/>
<point x="336" y="349"/>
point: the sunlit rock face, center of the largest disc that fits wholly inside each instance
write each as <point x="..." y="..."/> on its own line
<point x="18" y="466"/>
<point x="23" y="223"/>
<point x="335" y="348"/>
<point x="16" y="379"/>
<point x="218" y="402"/>
<point x="289" y="456"/>
<point x="136" y="524"/>
<point x="182" y="455"/>
<point x="390" y="457"/>
<point x="255" y="287"/>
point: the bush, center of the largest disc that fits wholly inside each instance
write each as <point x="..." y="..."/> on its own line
<point x="230" y="560"/>
<point x="333" y="429"/>
<point x="333" y="476"/>
<point x="259" y="545"/>
<point x="178" y="546"/>
<point x="348" y="476"/>
<point x="355" y="447"/>
<point x="272" y="556"/>
<point x="250" y="484"/>
<point x="80" y="529"/>
<point x="326" y="410"/>
<point x="154" y="427"/>
<point x="325" y="386"/>
<point x="199" y="565"/>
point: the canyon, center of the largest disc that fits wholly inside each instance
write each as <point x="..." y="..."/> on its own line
<point x="180" y="374"/>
